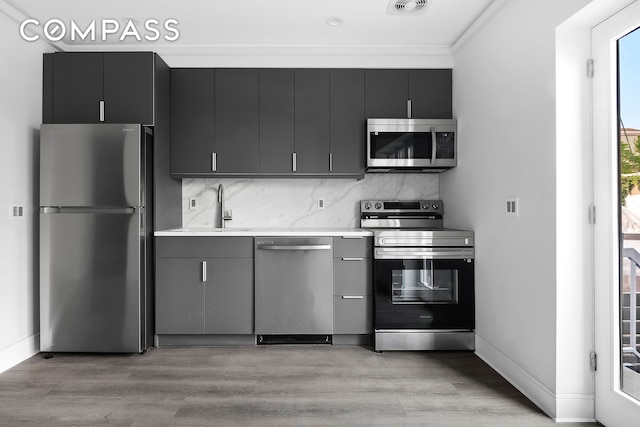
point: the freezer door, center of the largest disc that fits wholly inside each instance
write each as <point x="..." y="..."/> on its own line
<point x="91" y="165"/>
<point x="91" y="282"/>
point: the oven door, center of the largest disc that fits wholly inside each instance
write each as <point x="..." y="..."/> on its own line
<point x="424" y="292"/>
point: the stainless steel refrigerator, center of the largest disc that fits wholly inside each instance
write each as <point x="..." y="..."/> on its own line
<point x="95" y="238"/>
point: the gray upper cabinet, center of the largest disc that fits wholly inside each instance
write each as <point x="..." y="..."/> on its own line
<point x="236" y="118"/>
<point x="347" y="149"/>
<point x="192" y="127"/>
<point x="277" y="138"/>
<point x="128" y="87"/>
<point x="388" y="93"/>
<point x="290" y="122"/>
<point x="312" y="121"/>
<point x="214" y="122"/>
<point x="430" y="92"/>
<point x="94" y="87"/>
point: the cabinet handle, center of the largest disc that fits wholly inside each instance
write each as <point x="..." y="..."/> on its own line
<point x="352" y="297"/>
<point x="214" y="162"/>
<point x="408" y="108"/>
<point x="330" y="162"/>
<point x="295" y="161"/>
<point x="102" y="110"/>
<point x="352" y="259"/>
<point x="204" y="271"/>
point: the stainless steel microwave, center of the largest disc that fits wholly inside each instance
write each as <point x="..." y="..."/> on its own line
<point x="408" y="145"/>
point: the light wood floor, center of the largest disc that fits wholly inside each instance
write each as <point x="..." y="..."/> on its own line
<point x="263" y="386"/>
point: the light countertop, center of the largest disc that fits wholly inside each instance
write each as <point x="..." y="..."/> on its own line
<point x="262" y="232"/>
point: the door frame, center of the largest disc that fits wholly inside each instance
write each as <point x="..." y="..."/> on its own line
<point x="612" y="406"/>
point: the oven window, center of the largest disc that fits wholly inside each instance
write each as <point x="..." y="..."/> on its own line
<point x="420" y="282"/>
<point x="400" y="145"/>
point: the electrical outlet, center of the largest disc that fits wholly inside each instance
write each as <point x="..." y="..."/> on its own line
<point x="193" y="203"/>
<point x="321" y="204"/>
<point x="16" y="211"/>
<point x="512" y="206"/>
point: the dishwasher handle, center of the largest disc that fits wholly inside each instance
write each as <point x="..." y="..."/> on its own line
<point x="294" y="247"/>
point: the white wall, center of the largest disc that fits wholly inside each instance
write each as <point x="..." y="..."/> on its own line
<point x="20" y="117"/>
<point x="505" y="103"/>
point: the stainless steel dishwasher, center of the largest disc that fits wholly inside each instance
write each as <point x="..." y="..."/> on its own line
<point x="293" y="289"/>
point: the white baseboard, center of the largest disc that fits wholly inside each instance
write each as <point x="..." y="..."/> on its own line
<point x="22" y="350"/>
<point x="560" y="407"/>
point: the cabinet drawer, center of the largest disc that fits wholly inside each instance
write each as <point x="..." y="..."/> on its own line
<point x="352" y="276"/>
<point x="352" y="315"/>
<point x="204" y="247"/>
<point x="352" y="247"/>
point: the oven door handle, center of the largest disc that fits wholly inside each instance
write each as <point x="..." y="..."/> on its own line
<point x="424" y="253"/>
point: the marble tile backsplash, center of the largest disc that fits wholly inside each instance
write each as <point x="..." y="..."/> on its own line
<point x="267" y="203"/>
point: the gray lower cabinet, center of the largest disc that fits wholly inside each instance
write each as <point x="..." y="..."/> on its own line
<point x="204" y="286"/>
<point x="353" y="300"/>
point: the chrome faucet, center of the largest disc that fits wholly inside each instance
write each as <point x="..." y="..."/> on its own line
<point x="224" y="216"/>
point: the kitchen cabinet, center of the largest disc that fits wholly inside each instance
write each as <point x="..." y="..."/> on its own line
<point x="204" y="285"/>
<point x="347" y="148"/>
<point x="290" y="122"/>
<point x="388" y="92"/>
<point x="94" y="87"/>
<point x="236" y="121"/>
<point x="277" y="113"/>
<point x="192" y="126"/>
<point x="312" y="121"/>
<point x="214" y="122"/>
<point x="353" y="301"/>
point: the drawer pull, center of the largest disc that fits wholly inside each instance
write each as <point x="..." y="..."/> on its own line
<point x="352" y="297"/>
<point x="352" y="259"/>
<point x="204" y="271"/>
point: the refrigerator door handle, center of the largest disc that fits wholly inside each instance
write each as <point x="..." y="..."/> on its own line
<point x="91" y="210"/>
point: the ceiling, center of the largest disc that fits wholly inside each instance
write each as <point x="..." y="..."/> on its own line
<point x="258" y="25"/>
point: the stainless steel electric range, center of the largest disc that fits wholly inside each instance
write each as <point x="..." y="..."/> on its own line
<point x="423" y="277"/>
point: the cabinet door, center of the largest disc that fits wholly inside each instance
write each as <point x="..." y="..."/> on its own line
<point x="276" y="120"/>
<point x="179" y="296"/>
<point x="352" y="276"/>
<point x="353" y="314"/>
<point x="387" y="92"/>
<point x="128" y="87"/>
<point x="236" y="118"/>
<point x="229" y="296"/>
<point x="430" y="92"/>
<point x="312" y="120"/>
<point x="77" y="87"/>
<point x="347" y="122"/>
<point x="192" y="91"/>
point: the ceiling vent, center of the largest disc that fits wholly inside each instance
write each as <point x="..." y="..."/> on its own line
<point x="407" y="7"/>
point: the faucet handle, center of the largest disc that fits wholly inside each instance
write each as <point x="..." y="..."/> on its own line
<point x="228" y="215"/>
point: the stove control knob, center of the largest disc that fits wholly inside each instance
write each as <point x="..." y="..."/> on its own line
<point x="435" y="206"/>
<point x="367" y="205"/>
<point x="425" y="206"/>
<point x="378" y="205"/>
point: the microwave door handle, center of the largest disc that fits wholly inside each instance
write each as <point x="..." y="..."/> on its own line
<point x="433" y="146"/>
